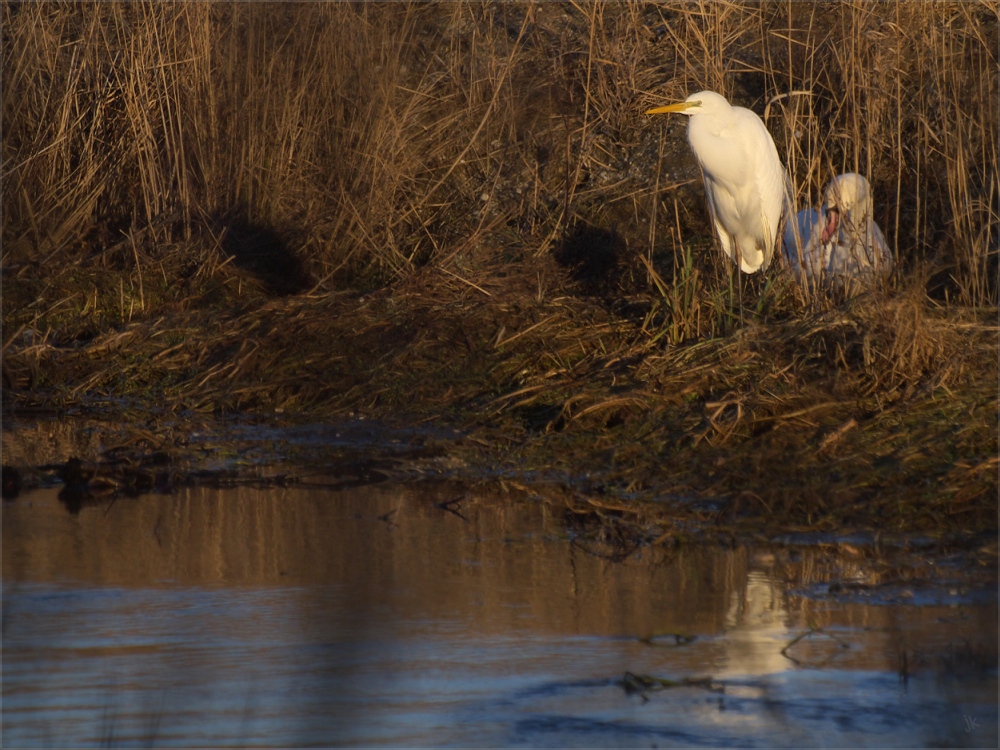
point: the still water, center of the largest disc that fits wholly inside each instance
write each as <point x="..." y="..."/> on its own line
<point x="376" y="616"/>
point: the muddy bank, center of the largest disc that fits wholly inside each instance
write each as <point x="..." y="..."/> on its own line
<point x="867" y="419"/>
<point x="877" y="413"/>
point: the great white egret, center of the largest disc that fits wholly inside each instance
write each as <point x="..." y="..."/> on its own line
<point x="744" y="180"/>
<point x="841" y="245"/>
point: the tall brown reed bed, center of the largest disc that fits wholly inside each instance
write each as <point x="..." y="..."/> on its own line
<point x="392" y="136"/>
<point x="296" y="115"/>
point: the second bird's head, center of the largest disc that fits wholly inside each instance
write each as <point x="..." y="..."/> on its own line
<point x="847" y="195"/>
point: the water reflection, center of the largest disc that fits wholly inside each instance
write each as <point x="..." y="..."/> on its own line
<point x="376" y="616"/>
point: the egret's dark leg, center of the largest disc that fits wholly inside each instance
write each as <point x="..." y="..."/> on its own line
<point x="739" y="280"/>
<point x="739" y="287"/>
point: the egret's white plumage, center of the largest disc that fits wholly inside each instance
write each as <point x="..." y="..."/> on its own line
<point x="841" y="245"/>
<point x="744" y="180"/>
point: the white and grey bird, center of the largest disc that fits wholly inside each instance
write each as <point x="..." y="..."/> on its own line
<point x="839" y="247"/>
<point x="744" y="181"/>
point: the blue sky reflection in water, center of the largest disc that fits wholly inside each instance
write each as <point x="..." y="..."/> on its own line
<point x="297" y="617"/>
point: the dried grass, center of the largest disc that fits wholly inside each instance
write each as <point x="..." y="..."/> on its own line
<point x="389" y="137"/>
<point x="490" y="233"/>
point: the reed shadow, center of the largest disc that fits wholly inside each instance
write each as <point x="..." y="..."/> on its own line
<point x="260" y="250"/>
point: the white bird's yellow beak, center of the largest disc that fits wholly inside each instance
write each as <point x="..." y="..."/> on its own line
<point x="678" y="107"/>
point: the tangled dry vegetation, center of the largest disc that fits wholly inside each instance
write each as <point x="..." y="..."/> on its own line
<point x="455" y="212"/>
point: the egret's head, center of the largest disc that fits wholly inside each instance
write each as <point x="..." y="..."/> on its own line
<point x="846" y="195"/>
<point x="702" y="103"/>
